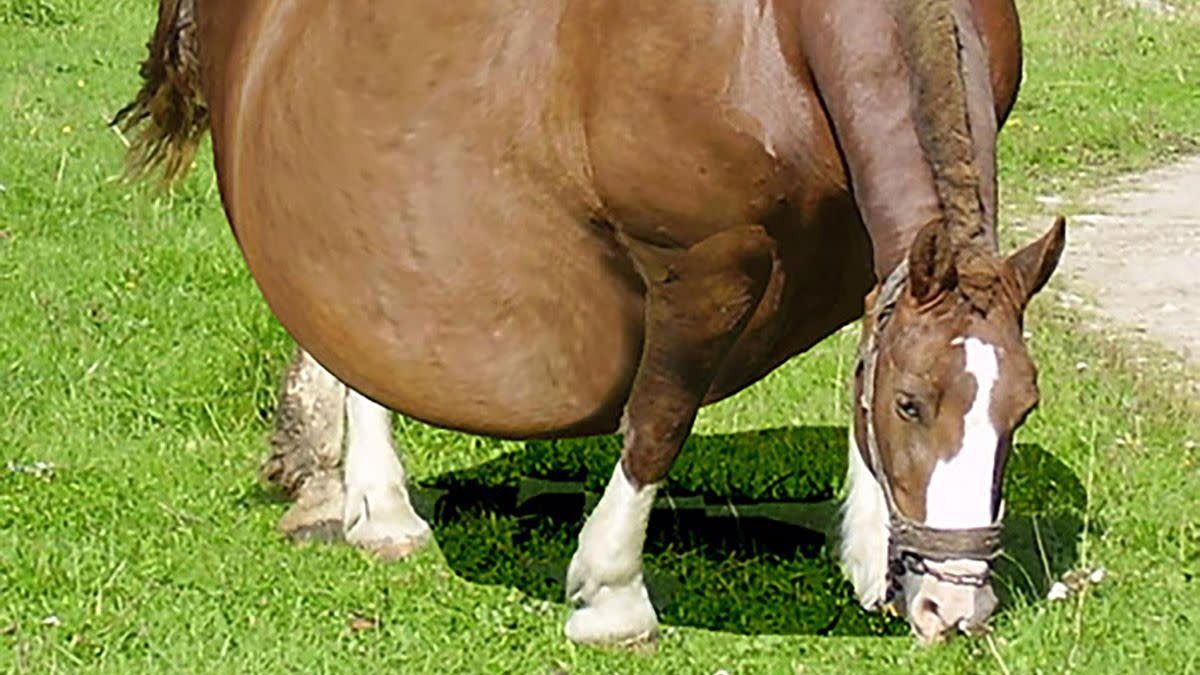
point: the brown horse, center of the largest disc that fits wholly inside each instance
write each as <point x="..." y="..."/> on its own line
<point x="546" y="219"/>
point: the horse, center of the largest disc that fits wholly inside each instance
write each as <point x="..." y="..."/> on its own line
<point x="560" y="219"/>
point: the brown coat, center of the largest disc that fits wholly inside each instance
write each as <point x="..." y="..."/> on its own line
<point x="446" y="203"/>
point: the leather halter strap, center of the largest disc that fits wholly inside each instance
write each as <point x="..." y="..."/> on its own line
<point x="912" y="544"/>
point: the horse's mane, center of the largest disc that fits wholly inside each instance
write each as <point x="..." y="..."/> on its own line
<point x="933" y="52"/>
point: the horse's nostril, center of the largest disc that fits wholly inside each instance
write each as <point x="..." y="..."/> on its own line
<point x="930" y="606"/>
<point x="925" y="616"/>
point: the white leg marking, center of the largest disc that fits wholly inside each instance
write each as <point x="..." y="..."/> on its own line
<point x="864" y="532"/>
<point x="960" y="489"/>
<point x="605" y="575"/>
<point x="378" y="515"/>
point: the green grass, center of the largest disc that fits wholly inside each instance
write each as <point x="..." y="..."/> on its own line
<point x="42" y="12"/>
<point x="137" y="357"/>
<point x="1107" y="90"/>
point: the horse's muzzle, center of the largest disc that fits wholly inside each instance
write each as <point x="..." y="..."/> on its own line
<point x="936" y="608"/>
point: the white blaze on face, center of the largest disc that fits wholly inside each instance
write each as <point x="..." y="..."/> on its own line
<point x="960" y="489"/>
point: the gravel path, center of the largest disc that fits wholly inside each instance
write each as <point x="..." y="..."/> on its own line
<point x="1137" y="254"/>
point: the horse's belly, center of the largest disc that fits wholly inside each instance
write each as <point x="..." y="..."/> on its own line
<point x="488" y="327"/>
<point x="448" y="293"/>
<point x="396" y="238"/>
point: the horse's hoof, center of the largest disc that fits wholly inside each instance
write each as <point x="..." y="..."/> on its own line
<point x="619" y="616"/>
<point x="385" y="525"/>
<point x="392" y="549"/>
<point x="324" y="531"/>
<point x="317" y="513"/>
<point x="646" y="642"/>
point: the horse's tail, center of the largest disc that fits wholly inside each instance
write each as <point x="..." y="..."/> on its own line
<point x="168" y="117"/>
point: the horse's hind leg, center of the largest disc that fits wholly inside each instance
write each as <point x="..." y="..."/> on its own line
<point x="364" y="498"/>
<point x="698" y="302"/>
<point x="378" y="515"/>
<point x="306" y="450"/>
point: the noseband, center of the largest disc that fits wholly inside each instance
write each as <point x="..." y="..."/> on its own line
<point x="911" y="545"/>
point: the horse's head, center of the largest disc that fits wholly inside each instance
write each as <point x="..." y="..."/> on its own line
<point x="943" y="382"/>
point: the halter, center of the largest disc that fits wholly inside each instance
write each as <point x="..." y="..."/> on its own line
<point x="911" y="545"/>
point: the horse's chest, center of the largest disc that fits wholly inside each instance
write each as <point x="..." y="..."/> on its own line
<point x="675" y="174"/>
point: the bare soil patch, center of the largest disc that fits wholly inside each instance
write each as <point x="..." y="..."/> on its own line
<point x="1136" y="254"/>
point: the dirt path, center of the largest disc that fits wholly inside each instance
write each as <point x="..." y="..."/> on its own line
<point x="1137" y="254"/>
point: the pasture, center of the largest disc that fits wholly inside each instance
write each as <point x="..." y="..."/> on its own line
<point x="139" y="369"/>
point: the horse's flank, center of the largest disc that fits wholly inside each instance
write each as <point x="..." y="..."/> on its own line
<point x="170" y="117"/>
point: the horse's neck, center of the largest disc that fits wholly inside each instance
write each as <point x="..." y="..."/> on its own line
<point x="853" y="51"/>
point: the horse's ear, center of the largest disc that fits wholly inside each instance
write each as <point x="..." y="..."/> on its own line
<point x="931" y="263"/>
<point x="1034" y="264"/>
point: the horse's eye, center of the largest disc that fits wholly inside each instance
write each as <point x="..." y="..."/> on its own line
<point x="908" y="409"/>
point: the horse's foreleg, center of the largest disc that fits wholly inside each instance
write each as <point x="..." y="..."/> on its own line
<point x="378" y="516"/>
<point x="306" y="450"/>
<point x="698" y="302"/>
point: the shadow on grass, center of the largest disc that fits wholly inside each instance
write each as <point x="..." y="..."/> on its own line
<point x="741" y="537"/>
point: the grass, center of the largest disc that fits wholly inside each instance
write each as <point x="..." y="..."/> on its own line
<point x="42" y="12"/>
<point x="1107" y="90"/>
<point x="137" y="358"/>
